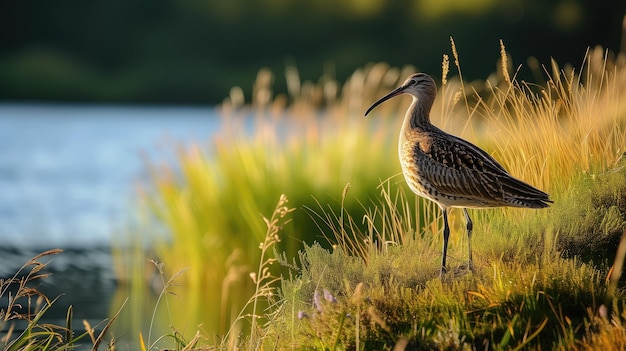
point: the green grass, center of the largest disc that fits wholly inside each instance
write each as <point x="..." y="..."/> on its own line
<point x="210" y="202"/>
<point x="531" y="297"/>
<point x="542" y="276"/>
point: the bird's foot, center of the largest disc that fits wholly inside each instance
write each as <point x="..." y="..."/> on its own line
<point x="442" y="272"/>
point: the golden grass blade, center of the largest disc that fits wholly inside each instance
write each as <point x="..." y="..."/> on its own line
<point x="102" y="334"/>
<point x="142" y="344"/>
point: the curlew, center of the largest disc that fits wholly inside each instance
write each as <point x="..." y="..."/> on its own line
<point x="450" y="171"/>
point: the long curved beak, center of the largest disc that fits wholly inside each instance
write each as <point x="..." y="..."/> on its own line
<point x="393" y="93"/>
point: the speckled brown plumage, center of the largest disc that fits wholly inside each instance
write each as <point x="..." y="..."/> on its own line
<point x="451" y="171"/>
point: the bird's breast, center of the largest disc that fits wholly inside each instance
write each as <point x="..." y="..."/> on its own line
<point x="413" y="174"/>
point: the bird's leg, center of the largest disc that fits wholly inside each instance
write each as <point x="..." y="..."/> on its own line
<point x="446" y="235"/>
<point x="470" y="226"/>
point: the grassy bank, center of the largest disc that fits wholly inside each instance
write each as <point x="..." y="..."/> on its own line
<point x="542" y="275"/>
<point x="528" y="291"/>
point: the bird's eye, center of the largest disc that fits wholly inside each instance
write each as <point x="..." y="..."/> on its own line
<point x="413" y="82"/>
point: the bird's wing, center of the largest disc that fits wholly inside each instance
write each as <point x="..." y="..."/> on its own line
<point x="459" y="168"/>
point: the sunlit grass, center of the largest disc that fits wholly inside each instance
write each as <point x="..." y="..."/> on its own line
<point x="506" y="305"/>
<point x="210" y="202"/>
<point x="566" y="135"/>
<point x="563" y="137"/>
<point x="379" y="290"/>
<point x="550" y="134"/>
<point x="384" y="294"/>
<point x="392" y="297"/>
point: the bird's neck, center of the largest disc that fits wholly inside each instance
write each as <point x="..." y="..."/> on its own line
<point x="418" y="115"/>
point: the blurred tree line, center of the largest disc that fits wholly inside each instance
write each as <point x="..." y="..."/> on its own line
<point x="194" y="51"/>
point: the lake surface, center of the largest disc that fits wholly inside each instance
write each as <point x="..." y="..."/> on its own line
<point x="67" y="172"/>
<point x="67" y="180"/>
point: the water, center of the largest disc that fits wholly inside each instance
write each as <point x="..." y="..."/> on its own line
<point x="67" y="180"/>
<point x="67" y="172"/>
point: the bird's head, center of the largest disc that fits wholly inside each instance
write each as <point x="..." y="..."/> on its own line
<point x="419" y="85"/>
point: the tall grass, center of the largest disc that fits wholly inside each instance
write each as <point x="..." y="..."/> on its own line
<point x="566" y="136"/>
<point x="573" y="124"/>
<point x="210" y="201"/>
<point x="526" y="293"/>
<point x="562" y="135"/>
<point x="557" y="136"/>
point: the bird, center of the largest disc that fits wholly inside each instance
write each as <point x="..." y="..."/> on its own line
<point x="450" y="171"/>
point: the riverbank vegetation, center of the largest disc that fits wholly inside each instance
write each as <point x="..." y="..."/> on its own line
<point x="358" y="259"/>
<point x="293" y="229"/>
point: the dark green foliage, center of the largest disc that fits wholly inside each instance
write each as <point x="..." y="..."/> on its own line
<point x="194" y="51"/>
<point x="592" y="218"/>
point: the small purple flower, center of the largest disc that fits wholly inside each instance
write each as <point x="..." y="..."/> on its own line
<point x="329" y="297"/>
<point x="316" y="301"/>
